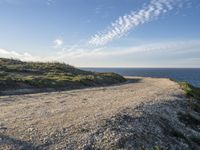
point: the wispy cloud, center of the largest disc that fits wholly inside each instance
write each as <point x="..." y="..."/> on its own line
<point x="57" y="43"/>
<point x="127" y="22"/>
<point x="79" y="56"/>
<point x="98" y="9"/>
<point x="170" y="47"/>
<point x="49" y="2"/>
<point x="159" y="47"/>
<point x="23" y="56"/>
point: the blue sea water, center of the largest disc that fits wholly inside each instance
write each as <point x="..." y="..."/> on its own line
<point x="191" y="75"/>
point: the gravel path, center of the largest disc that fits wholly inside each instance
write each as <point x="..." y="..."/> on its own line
<point x="96" y="118"/>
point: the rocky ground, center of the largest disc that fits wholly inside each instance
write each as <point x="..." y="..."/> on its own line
<point x="145" y="113"/>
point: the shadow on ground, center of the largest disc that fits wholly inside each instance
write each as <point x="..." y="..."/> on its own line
<point x="7" y="142"/>
<point x="49" y="90"/>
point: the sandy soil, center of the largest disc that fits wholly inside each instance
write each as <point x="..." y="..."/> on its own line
<point x="80" y="119"/>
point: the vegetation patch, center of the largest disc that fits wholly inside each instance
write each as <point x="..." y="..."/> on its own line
<point x="16" y="74"/>
<point x="194" y="94"/>
<point x="190" y="120"/>
<point x="190" y="90"/>
<point x="195" y="139"/>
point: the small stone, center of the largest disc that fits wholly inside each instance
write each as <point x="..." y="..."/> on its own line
<point x="65" y="130"/>
<point x="30" y="129"/>
<point x="45" y="140"/>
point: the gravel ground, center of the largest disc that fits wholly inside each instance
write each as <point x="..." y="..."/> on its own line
<point x="141" y="114"/>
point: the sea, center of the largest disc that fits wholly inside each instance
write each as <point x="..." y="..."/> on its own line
<point x="191" y="75"/>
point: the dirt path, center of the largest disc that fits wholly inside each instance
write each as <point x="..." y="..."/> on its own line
<point x="69" y="119"/>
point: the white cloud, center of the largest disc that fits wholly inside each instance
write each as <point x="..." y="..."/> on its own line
<point x="80" y="56"/>
<point x="22" y="56"/>
<point x="184" y="46"/>
<point x="57" y="43"/>
<point x="161" y="47"/>
<point x="127" y="22"/>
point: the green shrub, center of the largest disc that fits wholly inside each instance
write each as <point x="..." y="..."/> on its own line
<point x="190" y="90"/>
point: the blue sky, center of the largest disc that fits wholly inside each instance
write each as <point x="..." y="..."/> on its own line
<point x="102" y="33"/>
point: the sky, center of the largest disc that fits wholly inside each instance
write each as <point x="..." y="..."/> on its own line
<point x="102" y="33"/>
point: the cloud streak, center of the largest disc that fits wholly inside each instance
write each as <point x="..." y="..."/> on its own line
<point x="127" y="22"/>
<point x="84" y="56"/>
<point x="179" y="47"/>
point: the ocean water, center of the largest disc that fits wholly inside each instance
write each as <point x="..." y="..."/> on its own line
<point x="191" y="75"/>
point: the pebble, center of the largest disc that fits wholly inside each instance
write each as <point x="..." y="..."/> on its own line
<point x="30" y="129"/>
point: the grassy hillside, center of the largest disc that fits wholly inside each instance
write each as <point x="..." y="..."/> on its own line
<point x="16" y="74"/>
<point x="190" y="90"/>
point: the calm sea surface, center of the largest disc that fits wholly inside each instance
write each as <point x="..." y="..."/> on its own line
<point x="190" y="75"/>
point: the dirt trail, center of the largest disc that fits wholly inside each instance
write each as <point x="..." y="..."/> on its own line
<point x="78" y="119"/>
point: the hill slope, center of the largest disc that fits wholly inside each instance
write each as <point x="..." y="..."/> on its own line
<point x="16" y="74"/>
